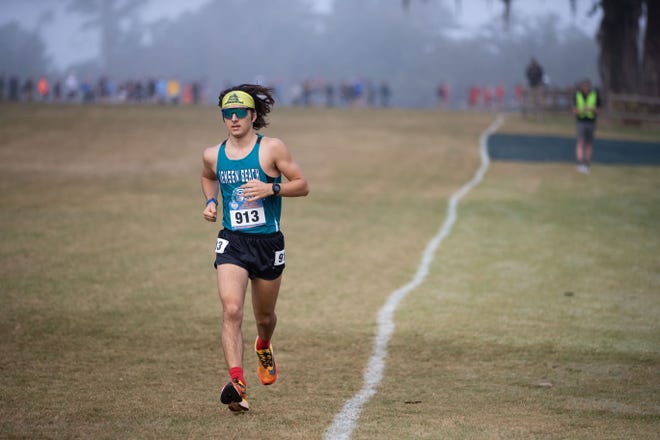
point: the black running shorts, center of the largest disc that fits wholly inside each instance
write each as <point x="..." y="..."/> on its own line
<point x="262" y="255"/>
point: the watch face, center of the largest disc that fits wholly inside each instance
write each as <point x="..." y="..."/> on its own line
<point x="276" y="188"/>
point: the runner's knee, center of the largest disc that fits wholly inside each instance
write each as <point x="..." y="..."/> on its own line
<point x="232" y="313"/>
<point x="265" y="319"/>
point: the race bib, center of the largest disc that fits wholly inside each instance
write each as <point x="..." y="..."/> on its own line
<point x="279" y="257"/>
<point x="247" y="218"/>
<point x="221" y="246"/>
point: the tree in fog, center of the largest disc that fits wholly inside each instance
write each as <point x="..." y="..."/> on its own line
<point x="651" y="57"/>
<point x="110" y="17"/>
<point x="625" y="67"/>
<point x="621" y="67"/>
<point x="22" y="52"/>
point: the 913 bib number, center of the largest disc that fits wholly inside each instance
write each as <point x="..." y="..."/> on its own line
<point x="247" y="218"/>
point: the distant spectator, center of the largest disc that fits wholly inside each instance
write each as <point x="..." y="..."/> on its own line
<point x="586" y="106"/>
<point x="499" y="96"/>
<point x="520" y="95"/>
<point x="186" y="96"/>
<point x="196" y="92"/>
<point x="14" y="92"/>
<point x="71" y="87"/>
<point x="151" y="89"/>
<point x="307" y="92"/>
<point x="57" y="90"/>
<point x="534" y="73"/>
<point x="358" y="92"/>
<point x="474" y="96"/>
<point x="488" y="96"/>
<point x="161" y="91"/>
<point x="173" y="91"/>
<point x="43" y="88"/>
<point x="371" y="93"/>
<point x="28" y="89"/>
<point x="103" y="89"/>
<point x="87" y="91"/>
<point x="345" y="92"/>
<point x="443" y="94"/>
<point x="109" y="89"/>
<point x="139" y="91"/>
<point x="385" y="93"/>
<point x="329" y="94"/>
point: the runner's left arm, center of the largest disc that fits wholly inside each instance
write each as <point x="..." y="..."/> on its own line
<point x="296" y="184"/>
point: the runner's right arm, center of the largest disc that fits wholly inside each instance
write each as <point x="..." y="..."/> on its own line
<point x="210" y="184"/>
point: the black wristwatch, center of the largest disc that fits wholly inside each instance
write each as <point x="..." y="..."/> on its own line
<point x="276" y="189"/>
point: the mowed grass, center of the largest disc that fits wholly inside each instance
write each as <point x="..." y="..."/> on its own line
<point x="538" y="318"/>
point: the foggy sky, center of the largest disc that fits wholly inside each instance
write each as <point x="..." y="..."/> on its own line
<point x="68" y="44"/>
<point x="376" y="40"/>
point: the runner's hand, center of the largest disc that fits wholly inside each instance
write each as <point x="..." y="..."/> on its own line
<point x="256" y="189"/>
<point x="211" y="212"/>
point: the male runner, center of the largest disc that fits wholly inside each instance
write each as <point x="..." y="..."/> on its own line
<point x="247" y="168"/>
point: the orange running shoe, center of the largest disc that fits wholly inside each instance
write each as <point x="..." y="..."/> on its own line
<point x="266" y="370"/>
<point x="234" y="395"/>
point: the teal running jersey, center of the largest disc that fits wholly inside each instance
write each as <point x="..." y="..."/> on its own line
<point x="239" y="214"/>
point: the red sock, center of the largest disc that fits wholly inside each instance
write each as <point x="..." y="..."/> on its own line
<point x="262" y="345"/>
<point x="237" y="373"/>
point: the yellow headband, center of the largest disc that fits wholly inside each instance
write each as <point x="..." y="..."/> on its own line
<point x="237" y="98"/>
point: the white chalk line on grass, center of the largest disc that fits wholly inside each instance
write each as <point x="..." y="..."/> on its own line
<point x="345" y="421"/>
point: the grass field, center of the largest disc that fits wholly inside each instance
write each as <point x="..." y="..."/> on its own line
<point x="539" y="318"/>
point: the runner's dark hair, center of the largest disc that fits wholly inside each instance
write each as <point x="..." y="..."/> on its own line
<point x="263" y="101"/>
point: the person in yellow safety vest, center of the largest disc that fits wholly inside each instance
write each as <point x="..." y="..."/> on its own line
<point x="586" y="106"/>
